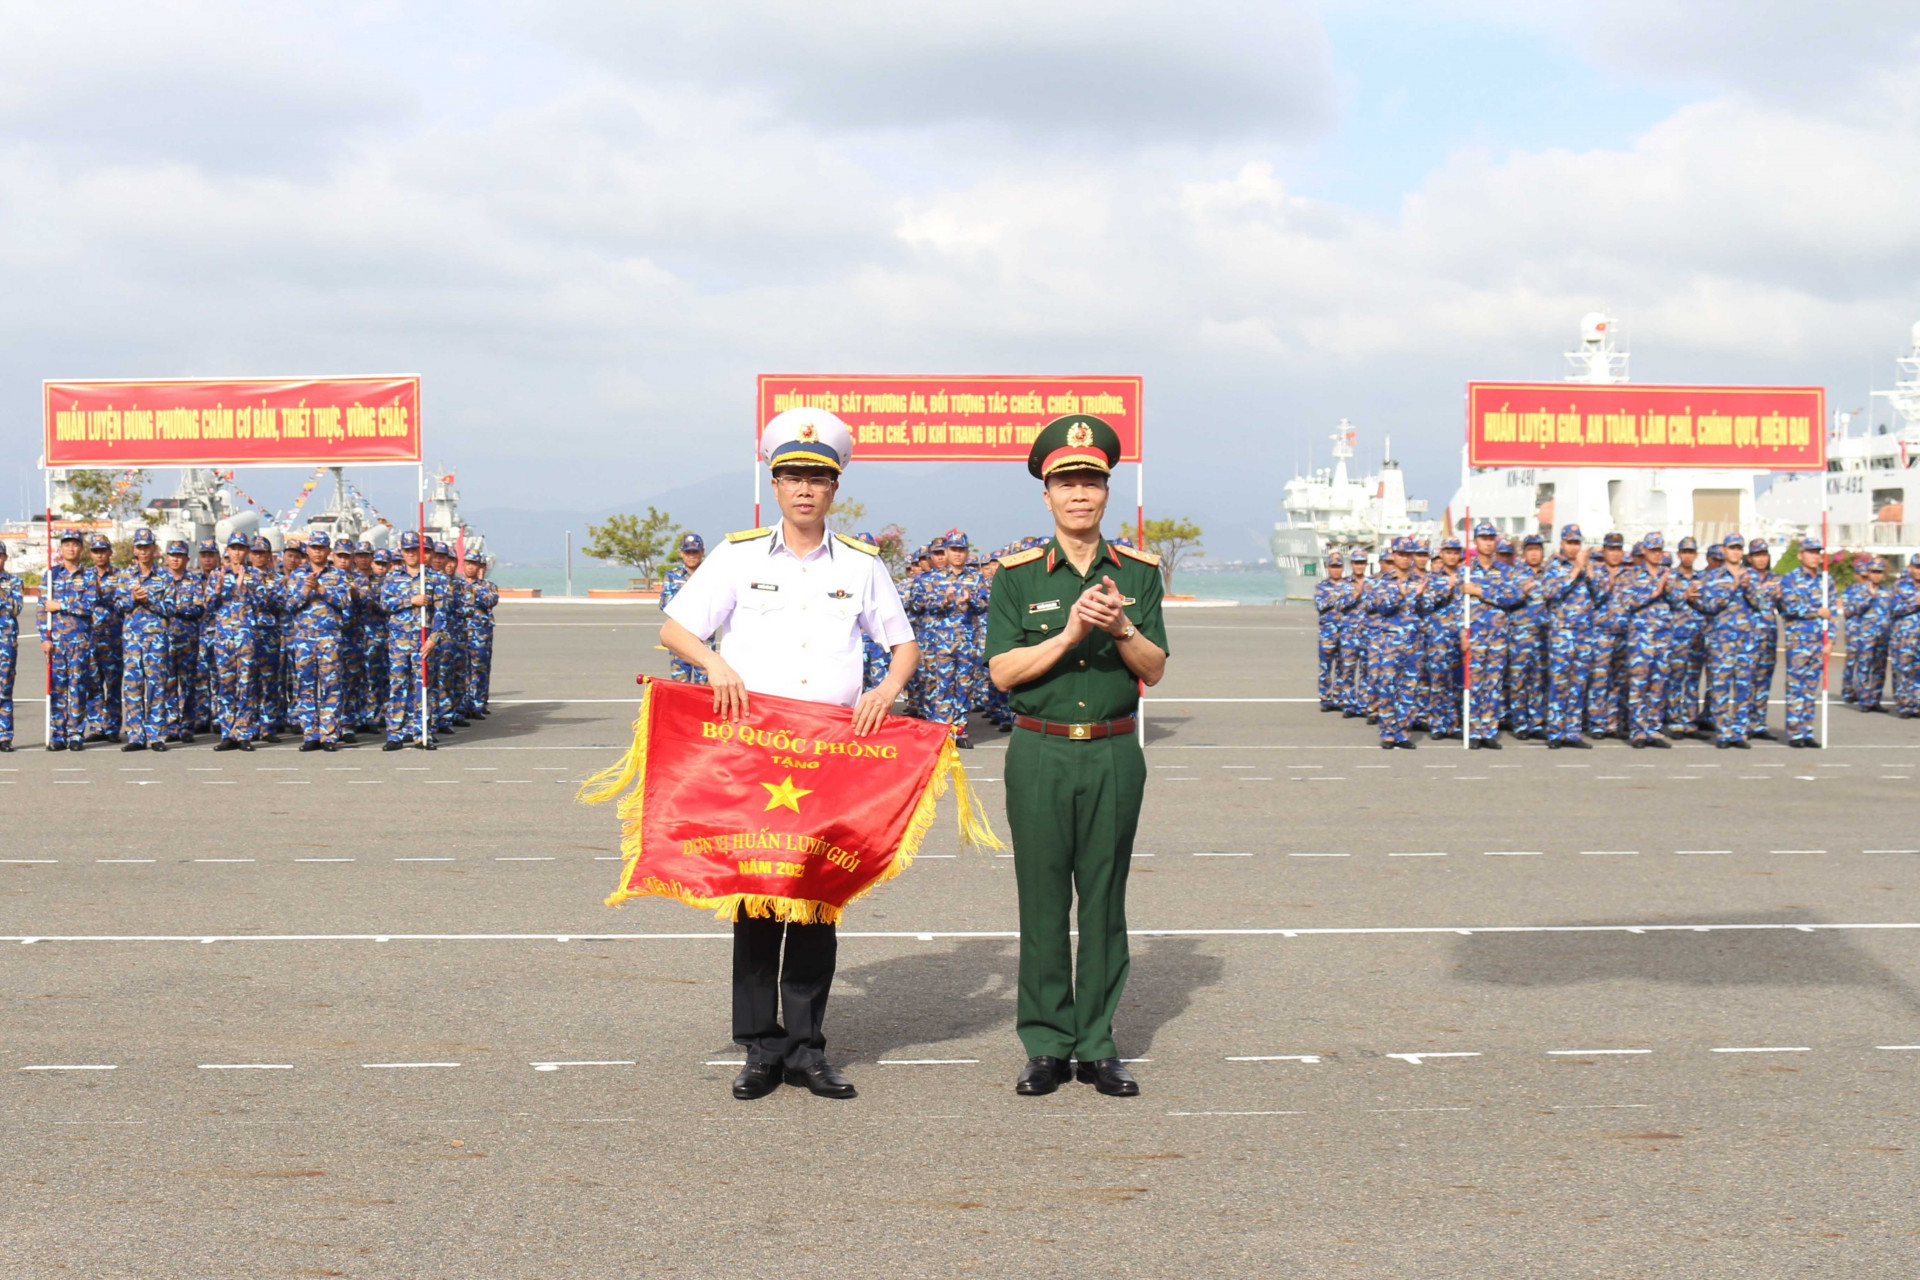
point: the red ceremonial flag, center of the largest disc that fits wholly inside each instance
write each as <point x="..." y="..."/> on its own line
<point x="783" y="812"/>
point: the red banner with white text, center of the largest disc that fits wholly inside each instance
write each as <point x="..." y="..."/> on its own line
<point x="1571" y="424"/>
<point x="927" y="418"/>
<point x="184" y="422"/>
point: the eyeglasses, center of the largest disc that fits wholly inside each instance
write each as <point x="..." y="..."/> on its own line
<point x="803" y="481"/>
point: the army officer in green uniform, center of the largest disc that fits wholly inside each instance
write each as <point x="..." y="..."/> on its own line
<point x="1073" y="630"/>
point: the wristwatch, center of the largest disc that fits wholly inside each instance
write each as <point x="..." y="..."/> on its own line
<point x="1127" y="634"/>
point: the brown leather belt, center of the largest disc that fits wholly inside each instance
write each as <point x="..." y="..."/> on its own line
<point x="1078" y="732"/>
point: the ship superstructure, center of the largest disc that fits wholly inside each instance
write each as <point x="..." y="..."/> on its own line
<point x="1329" y="508"/>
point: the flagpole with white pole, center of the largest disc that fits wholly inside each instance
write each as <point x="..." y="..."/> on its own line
<point x="1466" y="604"/>
<point x="1826" y="615"/>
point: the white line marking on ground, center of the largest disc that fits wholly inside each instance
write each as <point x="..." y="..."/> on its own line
<point x="323" y="859"/>
<point x="1236" y="1113"/>
<point x="1890" y="851"/>
<point x="225" y="859"/>
<point x="1225" y="855"/>
<point x="26" y="862"/>
<point x="426" y="859"/>
<point x="529" y="859"/>
<point x="73" y="1066"/>
<point x="246" y="1066"/>
<point x="929" y="1062"/>
<point x="1311" y="1058"/>
<point x="1582" y="1053"/>
<point x="1702" y="853"/>
<point x="1392" y="1111"/>
<point x="725" y="1062"/>
<point x="1776" y="1048"/>
<point x="1319" y="855"/>
<point x="1609" y="853"/>
<point x="555" y="1066"/>
<point x="1514" y="853"/>
<point x="124" y="859"/>
<point x="1897" y="1047"/>
<point x="1417" y="1058"/>
<point x="397" y="1066"/>
<point x="1261" y="778"/>
<point x="1601" y="1106"/>
<point x="1798" y="850"/>
<point x="1416" y="855"/>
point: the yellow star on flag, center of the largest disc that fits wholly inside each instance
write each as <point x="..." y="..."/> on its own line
<point x="784" y="794"/>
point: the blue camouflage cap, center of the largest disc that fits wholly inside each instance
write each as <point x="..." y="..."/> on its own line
<point x="1614" y="540"/>
<point x="1714" y="552"/>
<point x="208" y="545"/>
<point x="1533" y="540"/>
<point x="1688" y="544"/>
<point x="409" y="541"/>
<point x="1758" y="545"/>
<point x="955" y="538"/>
<point x="1405" y="546"/>
<point x="937" y="543"/>
<point x="1485" y="529"/>
<point x="99" y="542"/>
<point x="1503" y="547"/>
<point x="345" y="545"/>
<point x="383" y="556"/>
<point x="143" y="538"/>
<point x="1876" y="565"/>
<point x="1654" y="540"/>
<point x="1812" y="542"/>
<point x="71" y="535"/>
<point x="177" y="547"/>
<point x="260" y="543"/>
<point x="317" y="538"/>
<point x="1335" y="560"/>
<point x="237" y="539"/>
<point x="872" y="541"/>
<point x="441" y="549"/>
<point x="692" y="542"/>
<point x="1733" y="540"/>
<point x="1453" y="544"/>
<point x="1570" y="533"/>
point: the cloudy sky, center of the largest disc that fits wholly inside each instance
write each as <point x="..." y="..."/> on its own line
<point x="590" y="223"/>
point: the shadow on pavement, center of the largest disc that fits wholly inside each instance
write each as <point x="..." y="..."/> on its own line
<point x="1764" y="957"/>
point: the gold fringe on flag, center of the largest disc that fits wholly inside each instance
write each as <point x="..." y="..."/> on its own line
<point x="631" y="772"/>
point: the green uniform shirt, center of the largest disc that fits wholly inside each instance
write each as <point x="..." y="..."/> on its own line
<point x="1033" y="592"/>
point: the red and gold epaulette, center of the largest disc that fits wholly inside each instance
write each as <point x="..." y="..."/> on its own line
<point x="1145" y="557"/>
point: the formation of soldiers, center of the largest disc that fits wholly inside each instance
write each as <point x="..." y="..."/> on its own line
<point x="1570" y="647"/>
<point x="332" y="640"/>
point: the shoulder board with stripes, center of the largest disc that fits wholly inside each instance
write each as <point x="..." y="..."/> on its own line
<point x="856" y="544"/>
<point x="748" y="535"/>
<point x="1022" y="557"/>
<point x="1145" y="557"/>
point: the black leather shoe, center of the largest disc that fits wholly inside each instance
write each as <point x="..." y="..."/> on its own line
<point x="1579" y="744"/>
<point x="821" y="1080"/>
<point x="135" y="746"/>
<point x="158" y="746"/>
<point x="1764" y="734"/>
<point x="227" y="744"/>
<point x="329" y="746"/>
<point x="56" y="746"/>
<point x="242" y="744"/>
<point x="311" y="744"/>
<point x="6" y="748"/>
<point x="76" y="745"/>
<point x="964" y="743"/>
<point x="1491" y="744"/>
<point x="1659" y="744"/>
<point x="391" y="745"/>
<point x="351" y="739"/>
<point x="1405" y="744"/>
<point x="756" y="1080"/>
<point x="1638" y="744"/>
<point x="272" y="738"/>
<point x="1741" y="744"/>
<point x="1109" y="1077"/>
<point x="1042" y="1076"/>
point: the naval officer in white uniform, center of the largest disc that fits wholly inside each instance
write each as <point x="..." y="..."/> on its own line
<point x="796" y="602"/>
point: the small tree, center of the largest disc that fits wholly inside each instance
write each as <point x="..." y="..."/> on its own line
<point x="893" y="548"/>
<point x="637" y="542"/>
<point x="103" y="494"/>
<point x="1171" y="540"/>
<point x="847" y="517"/>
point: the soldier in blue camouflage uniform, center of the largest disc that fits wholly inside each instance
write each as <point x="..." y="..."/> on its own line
<point x="918" y="596"/>
<point x="65" y="622"/>
<point x="183" y="639"/>
<point x="446" y="658"/>
<point x="1804" y="606"/>
<point x="1865" y="605"/>
<point x="1566" y="585"/>
<point x="1494" y="590"/>
<point x="410" y="594"/>
<point x="271" y="673"/>
<point x="1527" y="644"/>
<point x="1763" y="597"/>
<point x="1326" y="603"/>
<point x="874" y="664"/>
<point x="485" y="596"/>
<point x="143" y="598"/>
<point x="1648" y="595"/>
<point x="366" y="638"/>
<point x="1720" y="595"/>
<point x="353" y="672"/>
<point x="317" y="596"/>
<point x="376" y="641"/>
<point x="1424" y="692"/>
<point x="1439" y="635"/>
<point x="1686" y="647"/>
<point x="103" y="695"/>
<point x="977" y="585"/>
<point x="1606" y="682"/>
<point x="1353" y="643"/>
<point x="1903" y="642"/>
<point x="231" y="594"/>
<point x="1392" y="600"/>
<point x="692" y="551"/>
<point x="205" y="681"/>
<point x="12" y="596"/>
<point x="947" y="600"/>
<point x="993" y="701"/>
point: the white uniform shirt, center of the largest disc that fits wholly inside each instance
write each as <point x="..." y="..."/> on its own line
<point x="794" y="623"/>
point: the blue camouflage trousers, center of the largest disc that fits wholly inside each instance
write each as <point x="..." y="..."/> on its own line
<point x="319" y="684"/>
<point x="1729" y="684"/>
<point x="1866" y="670"/>
<point x="267" y="690"/>
<point x="1903" y="657"/>
<point x="1762" y="653"/>
<point x="9" y="658"/>
<point x="1686" y="659"/>
<point x="72" y="679"/>
<point x="480" y="673"/>
<point x="1396" y="690"/>
<point x="1527" y="677"/>
<point x="143" y="681"/>
<point x="183" y="662"/>
<point x="1804" y="665"/>
<point x="403" y="690"/>
<point x="944" y="695"/>
<point x="373" y="710"/>
<point x="233" y="684"/>
<point x="1329" y="681"/>
<point x="1649" y="642"/>
<point x="103" y="687"/>
<point x="1487" y="651"/>
<point x="1443" y="679"/>
<point x="1569" y="672"/>
<point x="1606" y="680"/>
<point x="205" y="683"/>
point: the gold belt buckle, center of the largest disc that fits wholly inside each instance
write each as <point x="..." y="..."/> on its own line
<point x="1080" y="732"/>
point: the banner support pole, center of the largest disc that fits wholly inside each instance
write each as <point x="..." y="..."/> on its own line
<point x="46" y="593"/>
<point x="1826" y="621"/>
<point x="1466" y="604"/>
<point x="420" y="494"/>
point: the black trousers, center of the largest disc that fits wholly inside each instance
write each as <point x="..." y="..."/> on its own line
<point x="765" y="985"/>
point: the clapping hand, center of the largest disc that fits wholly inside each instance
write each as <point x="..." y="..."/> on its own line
<point x="1102" y="608"/>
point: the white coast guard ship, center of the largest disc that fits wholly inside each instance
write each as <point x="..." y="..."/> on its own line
<point x="1328" y="508"/>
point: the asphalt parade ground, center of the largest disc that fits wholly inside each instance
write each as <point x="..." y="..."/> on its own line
<point x="1413" y="1013"/>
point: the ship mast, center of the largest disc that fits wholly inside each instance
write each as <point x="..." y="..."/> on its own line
<point x="1599" y="359"/>
<point x="1905" y="396"/>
